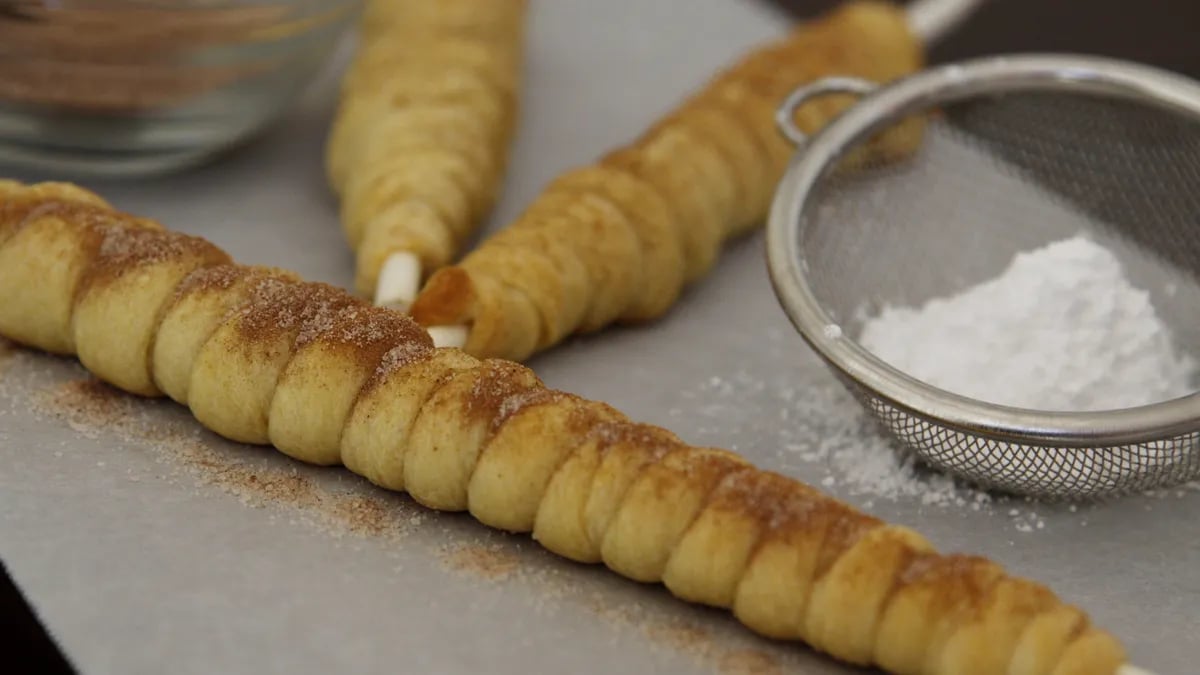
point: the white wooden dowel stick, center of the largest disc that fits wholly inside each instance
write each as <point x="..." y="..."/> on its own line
<point x="448" y="336"/>
<point x="398" y="285"/>
<point x="399" y="281"/>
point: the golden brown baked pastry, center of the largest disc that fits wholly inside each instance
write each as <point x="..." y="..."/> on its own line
<point x="618" y="240"/>
<point x="420" y="141"/>
<point x="328" y="379"/>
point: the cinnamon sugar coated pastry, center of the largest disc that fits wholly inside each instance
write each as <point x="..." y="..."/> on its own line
<point x="420" y="140"/>
<point x="328" y="379"/>
<point x="619" y="239"/>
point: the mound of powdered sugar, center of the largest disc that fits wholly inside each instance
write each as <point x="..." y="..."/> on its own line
<point x="1060" y="329"/>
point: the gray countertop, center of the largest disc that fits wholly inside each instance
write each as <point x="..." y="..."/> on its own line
<point x="147" y="547"/>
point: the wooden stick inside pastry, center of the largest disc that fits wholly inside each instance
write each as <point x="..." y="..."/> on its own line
<point x="618" y="240"/>
<point x="420" y="140"/>
<point x="260" y="356"/>
<point x="399" y="281"/>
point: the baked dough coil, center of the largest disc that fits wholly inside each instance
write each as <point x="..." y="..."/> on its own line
<point x="618" y="240"/>
<point x="261" y="356"/>
<point x="420" y="140"/>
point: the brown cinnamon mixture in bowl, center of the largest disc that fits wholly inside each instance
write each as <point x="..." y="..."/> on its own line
<point x="139" y="86"/>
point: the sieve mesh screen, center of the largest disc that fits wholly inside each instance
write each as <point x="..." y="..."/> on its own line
<point x="993" y="177"/>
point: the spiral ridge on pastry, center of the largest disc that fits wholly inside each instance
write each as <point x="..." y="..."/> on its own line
<point x="618" y="240"/>
<point x="420" y="140"/>
<point x="261" y="356"/>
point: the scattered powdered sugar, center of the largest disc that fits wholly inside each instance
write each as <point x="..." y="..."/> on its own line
<point x="812" y="425"/>
<point x="842" y="436"/>
<point x="819" y="423"/>
<point x="1060" y="329"/>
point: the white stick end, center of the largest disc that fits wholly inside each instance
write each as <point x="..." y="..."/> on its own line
<point x="448" y="336"/>
<point x="1128" y="669"/>
<point x="399" y="281"/>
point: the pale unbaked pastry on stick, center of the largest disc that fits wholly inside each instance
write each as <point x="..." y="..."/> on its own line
<point x="261" y="356"/>
<point x="420" y="140"/>
<point x="618" y="240"/>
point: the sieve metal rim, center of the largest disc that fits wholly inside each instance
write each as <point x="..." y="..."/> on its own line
<point x="884" y="105"/>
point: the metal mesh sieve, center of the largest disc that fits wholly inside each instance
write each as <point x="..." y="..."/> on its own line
<point x="1017" y="152"/>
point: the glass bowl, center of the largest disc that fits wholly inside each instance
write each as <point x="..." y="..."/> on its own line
<point x="134" y="87"/>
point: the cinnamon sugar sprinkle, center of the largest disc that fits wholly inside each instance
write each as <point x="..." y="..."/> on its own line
<point x="212" y="279"/>
<point x="370" y="331"/>
<point x="684" y="636"/>
<point x="92" y="408"/>
<point x="653" y="439"/>
<point x="277" y="306"/>
<point x="400" y="356"/>
<point x="495" y="381"/>
<point x="530" y="398"/>
<point x="711" y="651"/>
<point x="748" y="662"/>
<point x="490" y="562"/>
<point x="124" y="248"/>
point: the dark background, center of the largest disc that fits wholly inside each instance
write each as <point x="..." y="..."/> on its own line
<point x="1163" y="33"/>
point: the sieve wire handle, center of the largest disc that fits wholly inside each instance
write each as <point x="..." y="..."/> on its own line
<point x="785" y="115"/>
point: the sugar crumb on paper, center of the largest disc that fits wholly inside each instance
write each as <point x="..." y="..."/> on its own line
<point x="748" y="662"/>
<point x="715" y="651"/>
<point x="492" y="562"/>
<point x="92" y="409"/>
<point x="699" y="643"/>
<point x="712" y="650"/>
<point x="682" y="636"/>
<point x="88" y="406"/>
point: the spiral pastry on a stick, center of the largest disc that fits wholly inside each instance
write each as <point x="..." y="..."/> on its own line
<point x="260" y="356"/>
<point x="618" y="240"/>
<point x="420" y="141"/>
